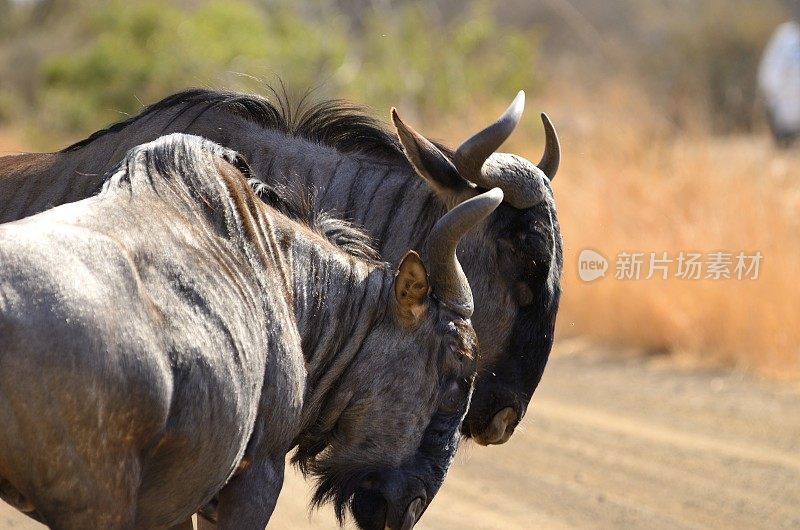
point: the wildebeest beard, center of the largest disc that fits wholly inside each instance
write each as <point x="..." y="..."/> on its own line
<point x="341" y="485"/>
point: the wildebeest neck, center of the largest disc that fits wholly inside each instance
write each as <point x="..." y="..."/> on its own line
<point x="335" y="297"/>
<point x="336" y="300"/>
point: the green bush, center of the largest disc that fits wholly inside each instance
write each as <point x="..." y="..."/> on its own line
<point x="409" y="57"/>
<point x="138" y="52"/>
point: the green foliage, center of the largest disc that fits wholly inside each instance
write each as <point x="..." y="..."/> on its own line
<point x="408" y="57"/>
<point x="138" y="52"/>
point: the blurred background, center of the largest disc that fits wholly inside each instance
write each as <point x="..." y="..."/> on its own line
<point x="667" y="402"/>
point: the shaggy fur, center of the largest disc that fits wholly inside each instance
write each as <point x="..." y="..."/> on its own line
<point x="333" y="123"/>
<point x="175" y="300"/>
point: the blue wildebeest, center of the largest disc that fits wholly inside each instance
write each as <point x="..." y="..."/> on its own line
<point x="359" y="170"/>
<point x="172" y="338"/>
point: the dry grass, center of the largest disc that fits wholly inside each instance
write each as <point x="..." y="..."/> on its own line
<point x="627" y="185"/>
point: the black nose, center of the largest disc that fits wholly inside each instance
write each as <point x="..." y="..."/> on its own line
<point x="392" y="501"/>
<point x="493" y="416"/>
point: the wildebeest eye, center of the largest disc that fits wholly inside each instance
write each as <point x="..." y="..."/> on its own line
<point x="507" y="257"/>
<point x="523" y="293"/>
<point x="451" y="399"/>
<point x="453" y="350"/>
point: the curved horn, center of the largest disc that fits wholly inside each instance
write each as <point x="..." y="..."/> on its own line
<point x="448" y="281"/>
<point x="552" y="149"/>
<point x="471" y="155"/>
<point x="520" y="180"/>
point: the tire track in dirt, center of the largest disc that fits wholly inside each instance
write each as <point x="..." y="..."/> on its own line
<point x="623" y="426"/>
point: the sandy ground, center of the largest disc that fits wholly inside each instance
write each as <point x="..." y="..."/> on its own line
<point x="616" y="443"/>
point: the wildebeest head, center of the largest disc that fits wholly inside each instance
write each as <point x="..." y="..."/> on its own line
<point x="513" y="263"/>
<point x="402" y="400"/>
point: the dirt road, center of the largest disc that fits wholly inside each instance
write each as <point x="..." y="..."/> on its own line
<point x="613" y="443"/>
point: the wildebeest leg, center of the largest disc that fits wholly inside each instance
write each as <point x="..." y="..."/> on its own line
<point x="247" y="501"/>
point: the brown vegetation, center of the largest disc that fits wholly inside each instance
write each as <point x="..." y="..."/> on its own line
<point x="628" y="187"/>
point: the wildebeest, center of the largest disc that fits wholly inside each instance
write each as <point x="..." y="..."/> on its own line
<point x="172" y="338"/>
<point x="513" y="262"/>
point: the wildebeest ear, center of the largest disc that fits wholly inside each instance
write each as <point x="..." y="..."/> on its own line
<point x="238" y="161"/>
<point x="411" y="287"/>
<point x="431" y="164"/>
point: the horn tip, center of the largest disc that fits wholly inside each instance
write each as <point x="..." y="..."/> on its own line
<point x="552" y="152"/>
<point x="548" y="126"/>
<point x="488" y="201"/>
<point x="495" y="195"/>
<point x="518" y="105"/>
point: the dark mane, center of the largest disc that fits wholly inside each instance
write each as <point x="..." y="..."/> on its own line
<point x="298" y="205"/>
<point x="177" y="154"/>
<point x="334" y="123"/>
